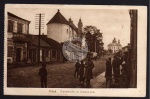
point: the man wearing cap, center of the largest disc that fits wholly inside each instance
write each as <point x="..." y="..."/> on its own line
<point x="43" y="76"/>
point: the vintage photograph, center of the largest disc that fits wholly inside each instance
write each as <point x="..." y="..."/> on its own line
<point x="72" y="47"/>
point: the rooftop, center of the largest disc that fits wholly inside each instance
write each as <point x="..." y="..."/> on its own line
<point x="59" y="18"/>
<point x="15" y="16"/>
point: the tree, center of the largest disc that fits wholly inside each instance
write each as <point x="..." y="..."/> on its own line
<point x="110" y="50"/>
<point x="94" y="37"/>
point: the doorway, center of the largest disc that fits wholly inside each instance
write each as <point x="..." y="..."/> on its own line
<point x="18" y="55"/>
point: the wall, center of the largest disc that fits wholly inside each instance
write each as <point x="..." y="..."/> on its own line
<point x="25" y="24"/>
<point x="60" y="32"/>
<point x="10" y="40"/>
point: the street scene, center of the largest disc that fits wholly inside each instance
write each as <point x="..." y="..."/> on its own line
<point x="59" y="76"/>
<point x="56" y="47"/>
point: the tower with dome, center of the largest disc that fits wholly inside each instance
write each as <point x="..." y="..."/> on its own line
<point x="115" y="46"/>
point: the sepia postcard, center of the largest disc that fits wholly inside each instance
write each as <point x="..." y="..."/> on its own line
<point x="75" y="50"/>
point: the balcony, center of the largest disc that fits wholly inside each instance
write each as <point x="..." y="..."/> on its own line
<point x="20" y="38"/>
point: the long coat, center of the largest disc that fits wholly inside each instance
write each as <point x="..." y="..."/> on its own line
<point x="108" y="73"/>
<point x="88" y="70"/>
<point x="81" y="70"/>
<point x="43" y="74"/>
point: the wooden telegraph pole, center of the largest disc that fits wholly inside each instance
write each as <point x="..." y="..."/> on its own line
<point x="39" y="22"/>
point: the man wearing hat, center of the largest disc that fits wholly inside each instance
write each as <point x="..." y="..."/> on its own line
<point x="43" y="76"/>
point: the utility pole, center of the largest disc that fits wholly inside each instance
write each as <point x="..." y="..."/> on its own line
<point x="39" y="22"/>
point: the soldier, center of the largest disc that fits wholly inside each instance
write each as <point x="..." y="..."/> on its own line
<point x="43" y="75"/>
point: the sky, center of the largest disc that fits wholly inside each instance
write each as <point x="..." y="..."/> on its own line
<point x="111" y="22"/>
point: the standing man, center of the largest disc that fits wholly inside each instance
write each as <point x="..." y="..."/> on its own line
<point x="81" y="72"/>
<point x="77" y="66"/>
<point x="43" y="76"/>
<point x="108" y="73"/>
<point x="88" y="71"/>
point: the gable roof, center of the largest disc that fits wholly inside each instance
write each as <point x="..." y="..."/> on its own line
<point x="58" y="18"/>
<point x="35" y="40"/>
<point x="15" y="16"/>
<point x="73" y="26"/>
<point x="54" y="44"/>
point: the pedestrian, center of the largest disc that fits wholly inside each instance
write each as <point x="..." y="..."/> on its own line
<point x="118" y="64"/>
<point x="114" y="63"/>
<point x="81" y="72"/>
<point x="116" y="68"/>
<point x="77" y="66"/>
<point x="108" y="73"/>
<point x="88" y="72"/>
<point x="43" y="76"/>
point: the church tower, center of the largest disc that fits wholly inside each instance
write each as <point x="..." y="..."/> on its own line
<point x="114" y="41"/>
<point x="80" y="25"/>
<point x="118" y="41"/>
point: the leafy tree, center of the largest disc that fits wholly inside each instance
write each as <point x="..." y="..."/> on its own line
<point x="93" y="38"/>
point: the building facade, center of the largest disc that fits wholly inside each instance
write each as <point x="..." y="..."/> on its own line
<point x="60" y="29"/>
<point x="50" y="50"/>
<point x="17" y="39"/>
<point x="23" y="47"/>
<point x="114" y="46"/>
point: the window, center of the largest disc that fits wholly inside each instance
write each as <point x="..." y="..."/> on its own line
<point x="10" y="51"/>
<point x="54" y="53"/>
<point x="19" y="27"/>
<point x="10" y="26"/>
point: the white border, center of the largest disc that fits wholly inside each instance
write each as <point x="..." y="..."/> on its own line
<point x="140" y="91"/>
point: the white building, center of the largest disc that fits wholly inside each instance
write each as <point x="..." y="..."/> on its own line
<point x="59" y="29"/>
<point x="115" y="46"/>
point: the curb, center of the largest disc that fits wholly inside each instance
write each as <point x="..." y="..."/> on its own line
<point x="99" y="81"/>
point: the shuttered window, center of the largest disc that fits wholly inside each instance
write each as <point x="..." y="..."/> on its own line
<point x="10" y="26"/>
<point x="20" y="27"/>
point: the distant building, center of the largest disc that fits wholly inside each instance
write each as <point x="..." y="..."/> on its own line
<point x="17" y="39"/>
<point x="114" y="46"/>
<point x="125" y="48"/>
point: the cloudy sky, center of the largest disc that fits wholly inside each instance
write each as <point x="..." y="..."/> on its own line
<point x="111" y="22"/>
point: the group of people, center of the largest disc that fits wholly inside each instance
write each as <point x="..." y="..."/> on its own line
<point x="116" y="74"/>
<point x="84" y="71"/>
